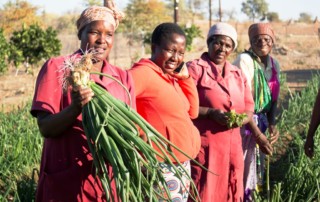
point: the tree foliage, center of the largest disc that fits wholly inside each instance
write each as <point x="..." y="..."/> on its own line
<point x="143" y="16"/>
<point x="305" y="17"/>
<point x="273" y="17"/>
<point x="191" y="33"/>
<point x="88" y="3"/>
<point x="15" y="13"/>
<point x="4" y="48"/>
<point x="33" y="44"/>
<point x="254" y="9"/>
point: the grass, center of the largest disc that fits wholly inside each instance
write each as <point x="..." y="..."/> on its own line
<point x="293" y="177"/>
<point x="20" y="151"/>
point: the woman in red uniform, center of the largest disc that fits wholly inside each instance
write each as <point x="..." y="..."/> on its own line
<point x="66" y="171"/>
<point x="221" y="88"/>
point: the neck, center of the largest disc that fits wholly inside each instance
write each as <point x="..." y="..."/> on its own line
<point x="97" y="66"/>
<point x="264" y="60"/>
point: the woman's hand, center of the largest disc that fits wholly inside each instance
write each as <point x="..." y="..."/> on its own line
<point x="218" y="115"/>
<point x="274" y="134"/>
<point x="182" y="74"/>
<point x="309" y="147"/>
<point x="80" y="97"/>
<point x="264" y="144"/>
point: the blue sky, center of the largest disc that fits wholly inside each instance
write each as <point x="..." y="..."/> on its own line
<point x="286" y="9"/>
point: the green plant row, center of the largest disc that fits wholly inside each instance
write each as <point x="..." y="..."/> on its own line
<point x="294" y="177"/>
<point x="20" y="151"/>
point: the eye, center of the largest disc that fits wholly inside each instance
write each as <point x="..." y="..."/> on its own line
<point x="169" y="50"/>
<point x="93" y="32"/>
<point x="228" y="46"/>
<point x="181" y="53"/>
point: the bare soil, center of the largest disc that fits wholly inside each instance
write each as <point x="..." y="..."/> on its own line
<point x="297" y="50"/>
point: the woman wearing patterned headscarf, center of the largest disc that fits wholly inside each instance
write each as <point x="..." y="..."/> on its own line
<point x="66" y="170"/>
<point x="222" y="88"/>
<point x="262" y="72"/>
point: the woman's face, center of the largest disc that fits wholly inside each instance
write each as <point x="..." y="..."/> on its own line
<point x="170" y="53"/>
<point x="261" y="45"/>
<point x="219" y="48"/>
<point x="98" y="37"/>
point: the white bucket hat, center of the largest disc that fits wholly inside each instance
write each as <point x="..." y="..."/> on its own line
<point x="222" y="28"/>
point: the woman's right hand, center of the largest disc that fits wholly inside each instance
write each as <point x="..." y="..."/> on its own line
<point x="309" y="146"/>
<point x="81" y="96"/>
<point x="218" y="115"/>
<point x="264" y="144"/>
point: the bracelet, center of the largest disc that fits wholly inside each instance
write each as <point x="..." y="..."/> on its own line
<point x="258" y="137"/>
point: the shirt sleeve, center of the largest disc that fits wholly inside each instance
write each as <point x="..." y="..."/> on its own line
<point x="249" y="102"/>
<point x="48" y="90"/>
<point x="190" y="91"/>
<point x="139" y="79"/>
<point x="194" y="71"/>
<point x="245" y="63"/>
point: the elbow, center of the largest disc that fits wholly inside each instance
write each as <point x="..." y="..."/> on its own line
<point x="194" y="114"/>
<point x="45" y="131"/>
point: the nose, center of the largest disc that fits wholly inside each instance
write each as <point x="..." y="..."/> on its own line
<point x="175" y="55"/>
<point x="102" y="38"/>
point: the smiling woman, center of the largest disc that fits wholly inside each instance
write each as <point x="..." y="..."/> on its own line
<point x="168" y="101"/>
<point x="66" y="165"/>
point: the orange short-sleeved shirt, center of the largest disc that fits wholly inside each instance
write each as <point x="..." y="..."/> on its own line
<point x="168" y="105"/>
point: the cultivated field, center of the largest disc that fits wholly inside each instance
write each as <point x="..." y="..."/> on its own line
<point x="292" y="176"/>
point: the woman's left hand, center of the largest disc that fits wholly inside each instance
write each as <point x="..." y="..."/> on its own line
<point x="274" y="134"/>
<point x="182" y="74"/>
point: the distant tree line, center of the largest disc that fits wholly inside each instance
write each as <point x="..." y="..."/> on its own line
<point x="28" y="35"/>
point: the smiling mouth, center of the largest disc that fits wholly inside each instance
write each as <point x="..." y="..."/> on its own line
<point x="99" y="50"/>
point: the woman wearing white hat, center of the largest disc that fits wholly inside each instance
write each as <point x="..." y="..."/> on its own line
<point x="222" y="88"/>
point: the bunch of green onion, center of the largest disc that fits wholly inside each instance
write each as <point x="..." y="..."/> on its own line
<point x="111" y="127"/>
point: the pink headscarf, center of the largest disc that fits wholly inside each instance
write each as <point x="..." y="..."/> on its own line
<point x="95" y="13"/>
<point x="261" y="28"/>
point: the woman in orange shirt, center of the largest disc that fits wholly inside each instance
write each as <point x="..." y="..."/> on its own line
<point x="167" y="100"/>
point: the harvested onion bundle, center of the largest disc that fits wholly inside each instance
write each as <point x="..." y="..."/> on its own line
<point x="112" y="133"/>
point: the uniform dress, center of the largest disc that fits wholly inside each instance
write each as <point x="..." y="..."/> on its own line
<point x="66" y="170"/>
<point x="221" y="150"/>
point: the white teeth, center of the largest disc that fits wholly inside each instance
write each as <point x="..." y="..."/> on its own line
<point x="99" y="50"/>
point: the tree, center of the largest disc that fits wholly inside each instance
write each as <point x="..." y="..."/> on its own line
<point x="305" y="17"/>
<point x="88" y="3"/>
<point x="3" y="53"/>
<point x="254" y="8"/>
<point x="141" y="18"/>
<point x="16" y="13"/>
<point x="32" y="44"/>
<point x="273" y="17"/>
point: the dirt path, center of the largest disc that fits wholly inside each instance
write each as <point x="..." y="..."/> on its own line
<point x="297" y="79"/>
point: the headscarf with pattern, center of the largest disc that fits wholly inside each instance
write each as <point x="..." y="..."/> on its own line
<point x="94" y="13"/>
<point x="261" y="28"/>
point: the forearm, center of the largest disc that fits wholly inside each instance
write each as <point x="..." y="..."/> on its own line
<point x="248" y="118"/>
<point x="315" y="117"/>
<point x="190" y="91"/>
<point x="53" y="125"/>
<point x="271" y="115"/>
<point x="254" y="128"/>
